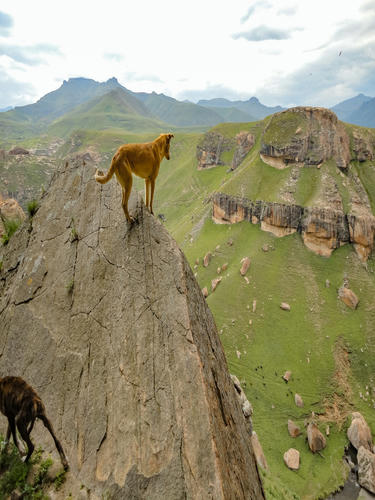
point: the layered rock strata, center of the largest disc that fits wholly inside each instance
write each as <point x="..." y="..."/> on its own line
<point x="322" y="229"/>
<point x="305" y="135"/>
<point x="210" y="150"/>
<point x="107" y="322"/>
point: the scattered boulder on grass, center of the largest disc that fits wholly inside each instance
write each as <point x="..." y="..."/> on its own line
<point x="238" y="354"/>
<point x="359" y="433"/>
<point x="218" y="270"/>
<point x="207" y="259"/>
<point x="246" y="407"/>
<point x="348" y="297"/>
<point x="205" y="292"/>
<point x="293" y="429"/>
<point x="315" y="438"/>
<point x="298" y="400"/>
<point x="230" y="242"/>
<point x="245" y="265"/>
<point x="366" y="469"/>
<point x="284" y="306"/>
<point x="224" y="267"/>
<point x="254" y="305"/>
<point x="197" y="261"/>
<point x="258" y="451"/>
<point x="328" y="283"/>
<point x="214" y="283"/>
<point x="291" y="459"/>
<point x="287" y="376"/>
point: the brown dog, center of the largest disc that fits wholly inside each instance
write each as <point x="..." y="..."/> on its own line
<point x="142" y="160"/>
<point x="22" y="405"/>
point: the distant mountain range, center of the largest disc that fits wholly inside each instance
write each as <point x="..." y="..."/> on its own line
<point x="251" y="107"/>
<point x="82" y="103"/>
<point x="85" y="103"/>
<point x="359" y="110"/>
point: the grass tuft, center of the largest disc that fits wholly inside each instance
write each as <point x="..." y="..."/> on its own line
<point x="10" y="226"/>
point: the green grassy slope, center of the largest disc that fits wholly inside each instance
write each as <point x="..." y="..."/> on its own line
<point x="303" y="340"/>
<point x="180" y="114"/>
<point x="318" y="338"/>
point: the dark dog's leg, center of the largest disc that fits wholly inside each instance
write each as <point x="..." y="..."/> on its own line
<point x="9" y="431"/>
<point x="12" y="426"/>
<point x="48" y="425"/>
<point x="22" y="427"/>
<point x="31" y="426"/>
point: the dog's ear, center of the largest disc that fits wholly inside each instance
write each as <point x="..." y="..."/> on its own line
<point x="169" y="137"/>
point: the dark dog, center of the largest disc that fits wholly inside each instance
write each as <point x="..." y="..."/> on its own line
<point x="22" y="405"/>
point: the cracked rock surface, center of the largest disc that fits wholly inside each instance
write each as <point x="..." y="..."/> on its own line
<point x="106" y="321"/>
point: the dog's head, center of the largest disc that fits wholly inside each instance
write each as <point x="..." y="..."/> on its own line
<point x="168" y="138"/>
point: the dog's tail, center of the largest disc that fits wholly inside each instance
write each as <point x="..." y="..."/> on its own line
<point x="104" y="178"/>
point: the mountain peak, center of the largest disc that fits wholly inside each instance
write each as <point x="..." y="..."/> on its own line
<point x="112" y="80"/>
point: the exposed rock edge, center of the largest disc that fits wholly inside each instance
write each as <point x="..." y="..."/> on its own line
<point x="322" y="229"/>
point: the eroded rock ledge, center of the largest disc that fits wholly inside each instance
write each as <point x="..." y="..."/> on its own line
<point x="322" y="229"/>
<point x="305" y="135"/>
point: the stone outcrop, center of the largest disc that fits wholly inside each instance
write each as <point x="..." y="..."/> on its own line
<point x="359" y="433"/>
<point x="363" y="145"/>
<point x="322" y="229"/>
<point x="298" y="400"/>
<point x="245" y="404"/>
<point x="366" y="469"/>
<point x="315" y="438"/>
<point x="245" y="264"/>
<point x="291" y="459"/>
<point x="293" y="429"/>
<point x="112" y="330"/>
<point x="258" y="451"/>
<point x="305" y="135"/>
<point x="210" y="149"/>
<point x="348" y="297"/>
<point x="244" y="142"/>
<point x="10" y="210"/>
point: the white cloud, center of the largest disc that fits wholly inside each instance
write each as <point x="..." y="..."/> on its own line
<point x="178" y="48"/>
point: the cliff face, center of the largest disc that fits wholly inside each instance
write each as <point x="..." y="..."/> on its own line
<point x="305" y="135"/>
<point x="108" y="324"/>
<point x="214" y="144"/>
<point x="322" y="229"/>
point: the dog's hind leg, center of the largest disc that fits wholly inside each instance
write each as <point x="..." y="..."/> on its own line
<point x="48" y="425"/>
<point x="7" y="438"/>
<point x="126" y="190"/>
<point x="12" y="428"/>
<point x="125" y="178"/>
<point x="152" y="194"/>
<point x="22" y="427"/>
<point x="147" y="192"/>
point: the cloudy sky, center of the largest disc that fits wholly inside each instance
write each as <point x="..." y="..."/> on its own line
<point x="284" y="52"/>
